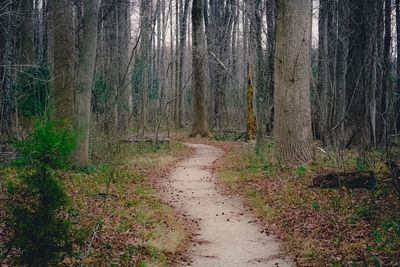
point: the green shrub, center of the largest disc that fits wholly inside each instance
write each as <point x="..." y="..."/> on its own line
<point x="37" y="199"/>
<point x="49" y="147"/>
<point x="361" y="165"/>
<point x="301" y="170"/>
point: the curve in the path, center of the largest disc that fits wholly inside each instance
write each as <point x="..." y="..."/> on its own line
<point x="227" y="235"/>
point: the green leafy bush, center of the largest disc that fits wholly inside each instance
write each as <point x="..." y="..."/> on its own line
<point x="37" y="199"/>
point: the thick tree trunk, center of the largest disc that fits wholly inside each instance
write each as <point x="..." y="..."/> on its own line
<point x="63" y="45"/>
<point x="83" y="92"/>
<point x="292" y="123"/>
<point x="199" y="60"/>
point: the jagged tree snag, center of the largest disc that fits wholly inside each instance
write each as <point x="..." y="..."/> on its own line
<point x="251" y="119"/>
<point x="292" y="123"/>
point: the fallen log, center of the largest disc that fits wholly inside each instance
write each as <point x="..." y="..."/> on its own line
<point x="145" y="140"/>
<point x="350" y="180"/>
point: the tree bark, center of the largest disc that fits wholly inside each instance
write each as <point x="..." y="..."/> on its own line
<point x="63" y="90"/>
<point x="145" y="45"/>
<point x="199" y="61"/>
<point x="27" y="32"/>
<point x="270" y="65"/>
<point x="384" y="109"/>
<point x="356" y="129"/>
<point x="219" y="32"/>
<point x="83" y="93"/>
<point x="323" y="69"/>
<point x="111" y="46"/>
<point x="182" y="45"/>
<point x="251" y="130"/>
<point x="292" y="123"/>
<point x="396" y="122"/>
<point x="341" y="72"/>
<point x="123" y="101"/>
<point x="260" y="81"/>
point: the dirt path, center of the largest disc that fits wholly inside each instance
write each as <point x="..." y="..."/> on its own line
<point x="227" y="235"/>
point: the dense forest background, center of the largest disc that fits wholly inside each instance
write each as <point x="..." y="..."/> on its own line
<point x="141" y="78"/>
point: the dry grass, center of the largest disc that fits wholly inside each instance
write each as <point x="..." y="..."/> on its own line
<point x="118" y="216"/>
<point x="318" y="227"/>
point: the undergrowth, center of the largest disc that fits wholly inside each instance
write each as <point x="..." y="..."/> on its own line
<point x="320" y="227"/>
<point x="36" y="199"/>
<point x="115" y="215"/>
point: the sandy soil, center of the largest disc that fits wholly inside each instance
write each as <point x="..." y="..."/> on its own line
<point x="226" y="234"/>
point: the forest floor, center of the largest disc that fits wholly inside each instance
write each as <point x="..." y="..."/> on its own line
<point x="173" y="204"/>
<point x="118" y="217"/>
<point x="317" y="227"/>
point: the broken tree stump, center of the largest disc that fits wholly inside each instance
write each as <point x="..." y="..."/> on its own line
<point x="350" y="180"/>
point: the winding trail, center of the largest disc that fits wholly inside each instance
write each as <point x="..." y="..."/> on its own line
<point x="227" y="235"/>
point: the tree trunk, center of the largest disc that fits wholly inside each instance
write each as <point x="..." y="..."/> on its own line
<point x="251" y="119"/>
<point x="384" y="109"/>
<point x="63" y="61"/>
<point x="323" y="69"/>
<point x="111" y="45"/>
<point x="145" y="45"/>
<point x="177" y="67"/>
<point x="341" y="72"/>
<point x="123" y="101"/>
<point x="271" y="23"/>
<point x="83" y="92"/>
<point x="396" y="122"/>
<point x="182" y="45"/>
<point x="27" y="32"/>
<point x="356" y="130"/>
<point x="260" y="82"/>
<point x="199" y="62"/>
<point x="7" y="76"/>
<point x="292" y="123"/>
